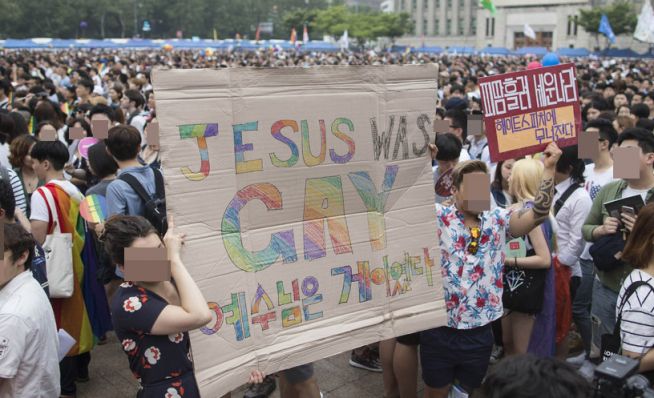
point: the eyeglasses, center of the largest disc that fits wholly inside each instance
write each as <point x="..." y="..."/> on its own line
<point x="473" y="246"/>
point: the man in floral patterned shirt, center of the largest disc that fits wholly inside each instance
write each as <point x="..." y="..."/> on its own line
<point x="472" y="259"/>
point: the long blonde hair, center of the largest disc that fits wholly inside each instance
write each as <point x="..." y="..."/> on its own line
<point x="525" y="179"/>
<point x="526" y="176"/>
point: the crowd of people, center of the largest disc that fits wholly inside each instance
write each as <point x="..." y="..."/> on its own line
<point x="536" y="282"/>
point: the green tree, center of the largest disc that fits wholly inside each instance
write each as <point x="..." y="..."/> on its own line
<point x="621" y="15"/>
<point x="297" y="19"/>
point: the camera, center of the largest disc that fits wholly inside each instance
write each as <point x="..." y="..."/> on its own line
<point x="617" y="378"/>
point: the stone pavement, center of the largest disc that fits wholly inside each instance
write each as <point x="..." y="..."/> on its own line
<point x="111" y="377"/>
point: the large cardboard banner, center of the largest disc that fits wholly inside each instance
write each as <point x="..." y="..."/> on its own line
<point x="525" y="111"/>
<point x="308" y="203"/>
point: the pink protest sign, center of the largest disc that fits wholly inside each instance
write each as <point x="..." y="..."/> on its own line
<point x="524" y="111"/>
<point x="85" y="144"/>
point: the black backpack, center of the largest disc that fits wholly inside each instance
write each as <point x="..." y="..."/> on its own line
<point x="155" y="207"/>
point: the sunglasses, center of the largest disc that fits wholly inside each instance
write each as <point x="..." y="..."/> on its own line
<point x="473" y="246"/>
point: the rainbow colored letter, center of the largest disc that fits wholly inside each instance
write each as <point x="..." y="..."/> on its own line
<point x="201" y="132"/>
<point x="375" y="202"/>
<point x="281" y="243"/>
<point x="323" y="198"/>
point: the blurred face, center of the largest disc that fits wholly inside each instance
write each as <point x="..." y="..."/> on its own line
<point x="445" y="165"/>
<point x="460" y="195"/>
<point x="646" y="159"/>
<point x="10" y="269"/>
<point x="619" y="100"/>
<point x="454" y="130"/>
<point x="602" y="144"/>
<point x="40" y="168"/>
<point x="649" y="102"/>
<point x="124" y="102"/>
<point x="151" y="241"/>
<point x="151" y="102"/>
<point x="609" y="92"/>
<point x="592" y="114"/>
<point x="624" y="111"/>
<point x="114" y="95"/>
<point x="27" y="161"/>
<point x="507" y="166"/>
<point x="81" y="91"/>
<point x="636" y="99"/>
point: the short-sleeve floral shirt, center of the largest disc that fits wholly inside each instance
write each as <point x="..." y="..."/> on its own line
<point x="162" y="364"/>
<point x="472" y="282"/>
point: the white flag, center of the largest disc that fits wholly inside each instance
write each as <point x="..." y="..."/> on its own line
<point x="645" y="28"/>
<point x="345" y="41"/>
<point x="305" y="35"/>
<point x="529" y="32"/>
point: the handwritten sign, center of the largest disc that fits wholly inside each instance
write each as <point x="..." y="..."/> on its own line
<point x="524" y="111"/>
<point x="308" y="202"/>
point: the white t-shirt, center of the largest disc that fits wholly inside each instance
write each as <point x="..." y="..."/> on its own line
<point x="29" y="343"/>
<point x="633" y="192"/>
<point x="637" y="327"/>
<point x="595" y="181"/>
<point x="39" y="209"/>
<point x="4" y="156"/>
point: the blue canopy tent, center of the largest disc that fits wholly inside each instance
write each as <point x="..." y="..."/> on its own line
<point x="428" y="50"/>
<point x="461" y="50"/>
<point x="28" y="44"/>
<point x="538" y="51"/>
<point x="502" y="51"/>
<point x="321" y="46"/>
<point x="618" y="53"/>
<point x="573" y="52"/>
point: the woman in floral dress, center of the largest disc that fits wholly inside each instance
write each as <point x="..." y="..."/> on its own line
<point x="152" y="319"/>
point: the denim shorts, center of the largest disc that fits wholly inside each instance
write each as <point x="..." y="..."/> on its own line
<point x="448" y="354"/>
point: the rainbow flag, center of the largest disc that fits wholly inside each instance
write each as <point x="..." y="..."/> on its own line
<point x="31" y="125"/>
<point x="64" y="107"/>
<point x="71" y="313"/>
<point x="102" y="68"/>
<point x="94" y="209"/>
<point x="293" y="36"/>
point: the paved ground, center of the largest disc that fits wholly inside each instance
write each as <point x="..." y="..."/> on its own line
<point x="111" y="378"/>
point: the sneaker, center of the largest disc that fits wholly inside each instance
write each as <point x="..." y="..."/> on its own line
<point x="496" y="354"/>
<point x="366" y="360"/>
<point x="262" y="390"/>
<point x="577" y="361"/>
<point x="587" y="370"/>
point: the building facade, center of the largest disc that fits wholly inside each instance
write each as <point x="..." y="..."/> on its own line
<point x="463" y="23"/>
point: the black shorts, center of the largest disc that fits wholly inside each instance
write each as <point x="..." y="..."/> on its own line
<point x="409" y="339"/>
<point x="298" y="374"/>
<point x="448" y="354"/>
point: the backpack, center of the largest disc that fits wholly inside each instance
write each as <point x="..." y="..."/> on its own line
<point x="155" y="207"/>
<point x="612" y="342"/>
<point x="568" y="192"/>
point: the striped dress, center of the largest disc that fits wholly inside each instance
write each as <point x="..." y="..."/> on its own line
<point x="70" y="313"/>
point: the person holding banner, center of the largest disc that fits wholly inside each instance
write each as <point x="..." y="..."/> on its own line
<point x="152" y="319"/>
<point x="472" y="243"/>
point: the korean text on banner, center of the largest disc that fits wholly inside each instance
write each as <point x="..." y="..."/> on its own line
<point x="308" y="203"/>
<point x="524" y="111"/>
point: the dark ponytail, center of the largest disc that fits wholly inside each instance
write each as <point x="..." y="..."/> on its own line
<point x="120" y="232"/>
<point x="570" y="163"/>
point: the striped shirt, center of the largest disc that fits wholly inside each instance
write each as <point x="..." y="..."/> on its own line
<point x="637" y="328"/>
<point x="17" y="188"/>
